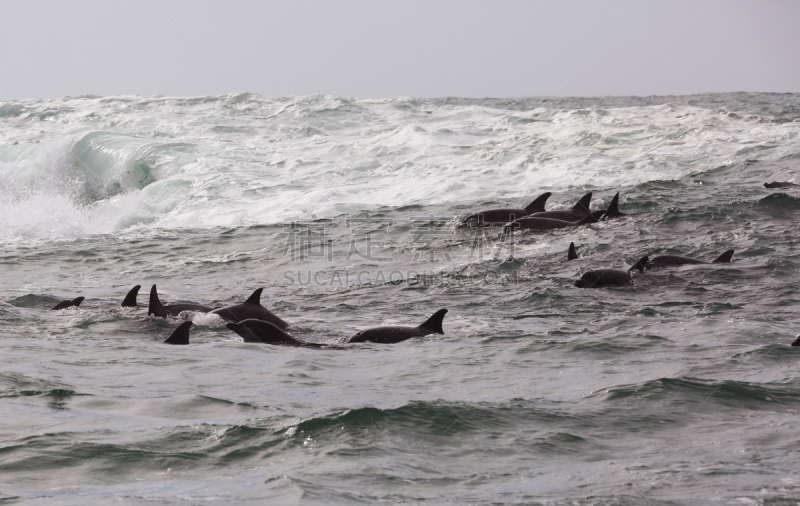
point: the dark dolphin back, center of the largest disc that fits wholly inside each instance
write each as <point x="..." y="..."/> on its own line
<point x="724" y="258"/>
<point x="393" y="335"/>
<point x="262" y="332"/>
<point x="155" y="307"/>
<point x="181" y="334"/>
<point x="571" y="254"/>
<point x="130" y="299"/>
<point x="602" y="278"/>
<point x="780" y="184"/>
<point x="251" y="309"/>
<point x="591" y="218"/>
<point x="537" y="206"/>
<point x="433" y="325"/>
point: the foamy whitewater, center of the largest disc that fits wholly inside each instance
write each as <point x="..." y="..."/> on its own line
<point x="682" y="391"/>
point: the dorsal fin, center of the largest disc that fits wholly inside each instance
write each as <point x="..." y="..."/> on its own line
<point x="583" y="204"/>
<point x="571" y="255"/>
<point x="255" y="298"/>
<point x="591" y="218"/>
<point x="613" y="208"/>
<point x="724" y="258"/>
<point x="77" y="301"/>
<point x="130" y="299"/>
<point x="537" y="206"/>
<point x="639" y="266"/>
<point x="155" y="307"/>
<point x="796" y="341"/>
<point x="434" y="323"/>
<point x="181" y="334"/>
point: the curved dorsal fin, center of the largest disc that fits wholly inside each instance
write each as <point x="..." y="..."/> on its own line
<point x="639" y="266"/>
<point x="255" y="298"/>
<point x="571" y="255"/>
<point x="434" y="323"/>
<point x="130" y="299"/>
<point x="613" y="208"/>
<point x="181" y="334"/>
<point x="724" y="258"/>
<point x="583" y="203"/>
<point x="537" y="206"/>
<point x="77" y="301"/>
<point x="155" y="307"/>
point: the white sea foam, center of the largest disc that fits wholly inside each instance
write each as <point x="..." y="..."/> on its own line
<point x="82" y="166"/>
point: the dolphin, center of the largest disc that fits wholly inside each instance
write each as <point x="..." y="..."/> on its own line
<point x="250" y="309"/>
<point x="571" y="255"/>
<point x="613" y="209"/>
<point x="675" y="260"/>
<point x="601" y="278"/>
<point x="68" y="303"/>
<point x="259" y="331"/>
<point x="130" y="299"/>
<point x="539" y="224"/>
<point x="796" y="342"/>
<point x="156" y="308"/>
<point x="391" y="335"/>
<point x="180" y="335"/>
<point x="578" y="211"/>
<point x="497" y="217"/>
<point x="780" y="184"/>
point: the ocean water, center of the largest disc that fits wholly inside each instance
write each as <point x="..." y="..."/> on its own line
<point x="682" y="390"/>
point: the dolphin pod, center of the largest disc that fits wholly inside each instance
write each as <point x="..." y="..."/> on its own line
<point x="254" y="330"/>
<point x="601" y="278"/>
<point x="537" y="223"/>
<point x="254" y="323"/>
<point x="498" y="217"/>
<point x="249" y="309"/>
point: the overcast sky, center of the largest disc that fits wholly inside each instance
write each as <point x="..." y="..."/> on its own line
<point x="418" y="48"/>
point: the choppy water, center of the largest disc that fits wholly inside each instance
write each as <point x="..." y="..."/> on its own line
<point x="685" y="391"/>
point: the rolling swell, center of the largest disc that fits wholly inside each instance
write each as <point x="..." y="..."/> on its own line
<point x="427" y="420"/>
<point x="697" y="392"/>
<point x="110" y="163"/>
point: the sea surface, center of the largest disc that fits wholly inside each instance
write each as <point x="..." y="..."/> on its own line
<point x="681" y="390"/>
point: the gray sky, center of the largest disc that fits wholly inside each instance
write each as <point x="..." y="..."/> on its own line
<point x="425" y="48"/>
